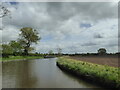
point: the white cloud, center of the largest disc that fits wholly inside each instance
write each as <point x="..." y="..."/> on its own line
<point x="10" y="33"/>
<point x="62" y="21"/>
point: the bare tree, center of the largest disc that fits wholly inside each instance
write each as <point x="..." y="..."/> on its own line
<point x="3" y="11"/>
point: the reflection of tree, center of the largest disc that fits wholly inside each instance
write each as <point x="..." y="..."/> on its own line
<point x="19" y="73"/>
<point x="26" y="80"/>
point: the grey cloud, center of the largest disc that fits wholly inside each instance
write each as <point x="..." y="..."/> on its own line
<point x="60" y="11"/>
<point x="112" y="44"/>
<point x="54" y="13"/>
<point x="97" y="35"/>
<point x="89" y="44"/>
<point x="94" y="10"/>
<point x="9" y="33"/>
<point x="61" y="19"/>
<point x="51" y="15"/>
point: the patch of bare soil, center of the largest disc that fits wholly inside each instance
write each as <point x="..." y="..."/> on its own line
<point x="103" y="60"/>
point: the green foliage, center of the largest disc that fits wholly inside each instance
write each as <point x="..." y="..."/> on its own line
<point x="103" y="74"/>
<point x="0" y="49"/>
<point x="20" y="58"/>
<point x="27" y="37"/>
<point x="30" y="49"/>
<point x="16" y="47"/>
<point x="102" y="51"/>
<point x="6" y="50"/>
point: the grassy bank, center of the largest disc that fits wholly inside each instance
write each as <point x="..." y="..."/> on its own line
<point x="20" y="58"/>
<point x="100" y="74"/>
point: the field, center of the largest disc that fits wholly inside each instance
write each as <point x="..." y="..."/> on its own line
<point x="103" y="60"/>
<point x="101" y="74"/>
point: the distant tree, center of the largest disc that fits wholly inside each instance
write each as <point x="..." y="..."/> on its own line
<point x="36" y="53"/>
<point x="27" y="37"/>
<point x="6" y="50"/>
<point x="118" y="53"/>
<point x="17" y="47"/>
<point x="59" y="51"/>
<point x="102" y="51"/>
<point x="50" y="52"/>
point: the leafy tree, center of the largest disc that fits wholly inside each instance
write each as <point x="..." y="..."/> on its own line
<point x="6" y="50"/>
<point x="30" y="49"/>
<point x="102" y="51"/>
<point x="27" y="37"/>
<point x="17" y="47"/>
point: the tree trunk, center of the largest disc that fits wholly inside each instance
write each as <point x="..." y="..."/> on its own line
<point x="26" y="52"/>
<point x="26" y="49"/>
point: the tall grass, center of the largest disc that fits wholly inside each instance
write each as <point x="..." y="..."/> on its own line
<point x="101" y="74"/>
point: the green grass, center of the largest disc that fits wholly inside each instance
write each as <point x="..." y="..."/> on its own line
<point x="101" y="74"/>
<point x="19" y="58"/>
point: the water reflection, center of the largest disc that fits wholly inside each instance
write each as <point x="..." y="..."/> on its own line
<point x="39" y="73"/>
<point x="17" y="74"/>
<point x="0" y="75"/>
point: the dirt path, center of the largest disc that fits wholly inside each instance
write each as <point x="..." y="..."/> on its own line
<point x="103" y="60"/>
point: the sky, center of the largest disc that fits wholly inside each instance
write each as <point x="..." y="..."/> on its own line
<point x="75" y="27"/>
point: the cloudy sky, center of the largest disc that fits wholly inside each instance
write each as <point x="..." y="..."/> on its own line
<point x="79" y="27"/>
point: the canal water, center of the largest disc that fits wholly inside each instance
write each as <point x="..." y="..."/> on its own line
<point x="38" y="73"/>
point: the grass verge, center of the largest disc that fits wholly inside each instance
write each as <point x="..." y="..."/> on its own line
<point x="100" y="74"/>
<point x="19" y="58"/>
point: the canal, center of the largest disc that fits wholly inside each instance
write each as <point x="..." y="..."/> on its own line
<point x="38" y="73"/>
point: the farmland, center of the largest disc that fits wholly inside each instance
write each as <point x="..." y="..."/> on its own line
<point x="110" y="60"/>
<point x="102" y="74"/>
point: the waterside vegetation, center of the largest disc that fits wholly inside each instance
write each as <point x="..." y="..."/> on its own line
<point x="101" y="74"/>
<point x="12" y="58"/>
